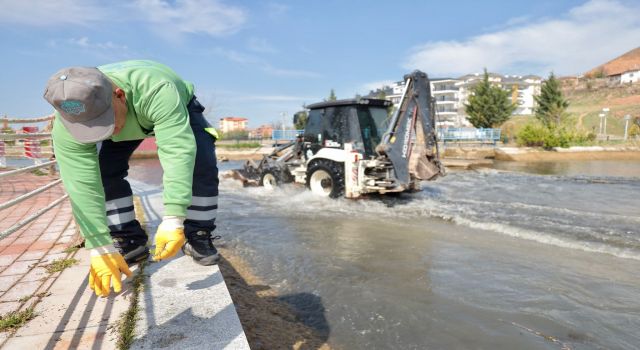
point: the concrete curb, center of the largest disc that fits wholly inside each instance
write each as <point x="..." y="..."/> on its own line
<point x="183" y="305"/>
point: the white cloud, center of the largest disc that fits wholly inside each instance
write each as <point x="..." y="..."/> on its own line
<point x="168" y="18"/>
<point x="85" y="43"/>
<point x="292" y="73"/>
<point x="374" y="85"/>
<point x="260" y="45"/>
<point x="588" y="35"/>
<point x="46" y="13"/>
<point x="210" y="17"/>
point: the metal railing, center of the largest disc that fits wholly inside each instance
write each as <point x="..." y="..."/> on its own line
<point x="27" y="142"/>
<point x="469" y="135"/>
<point x="31" y="142"/>
<point x="280" y="135"/>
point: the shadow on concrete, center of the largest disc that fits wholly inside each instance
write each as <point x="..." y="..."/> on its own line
<point x="179" y="322"/>
<point x="292" y="321"/>
<point x="77" y="308"/>
<point x="187" y="331"/>
<point x="205" y="283"/>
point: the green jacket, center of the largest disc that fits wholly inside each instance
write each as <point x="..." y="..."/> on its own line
<point x="157" y="105"/>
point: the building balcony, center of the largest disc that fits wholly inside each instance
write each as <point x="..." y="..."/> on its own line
<point x="447" y="113"/>
<point x="438" y="91"/>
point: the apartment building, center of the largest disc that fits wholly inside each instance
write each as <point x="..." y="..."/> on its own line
<point x="228" y="124"/>
<point x="451" y="95"/>
<point x="447" y="96"/>
<point x="263" y="131"/>
<point x="443" y="90"/>
<point x="522" y="89"/>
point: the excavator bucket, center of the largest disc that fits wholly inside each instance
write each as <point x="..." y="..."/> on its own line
<point x="410" y="142"/>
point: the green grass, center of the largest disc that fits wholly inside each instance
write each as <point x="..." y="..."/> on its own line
<point x="71" y="250"/>
<point x="60" y="264"/>
<point x="39" y="172"/>
<point x="239" y="145"/>
<point x="585" y="107"/>
<point x="127" y="323"/>
<point x="16" y="319"/>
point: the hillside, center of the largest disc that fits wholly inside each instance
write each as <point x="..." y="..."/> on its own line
<point x="618" y="65"/>
<point x="586" y="105"/>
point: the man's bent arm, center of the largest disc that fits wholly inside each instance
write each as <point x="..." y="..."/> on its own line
<point x="176" y="146"/>
<point x="80" y="175"/>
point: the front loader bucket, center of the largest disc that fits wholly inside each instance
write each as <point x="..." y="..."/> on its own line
<point x="249" y="175"/>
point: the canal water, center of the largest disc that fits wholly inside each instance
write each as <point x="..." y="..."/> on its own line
<point x="519" y="256"/>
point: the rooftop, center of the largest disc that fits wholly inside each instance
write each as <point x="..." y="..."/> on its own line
<point x="234" y="119"/>
<point x="629" y="61"/>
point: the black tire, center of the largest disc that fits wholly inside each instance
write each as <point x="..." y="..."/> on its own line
<point x="271" y="178"/>
<point x="326" y="178"/>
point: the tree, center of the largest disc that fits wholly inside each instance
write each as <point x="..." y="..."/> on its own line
<point x="332" y="96"/>
<point x="235" y="135"/>
<point x="382" y="95"/>
<point x="551" y="105"/>
<point x="300" y="120"/>
<point x="489" y="106"/>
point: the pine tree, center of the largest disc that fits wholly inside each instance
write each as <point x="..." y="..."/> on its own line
<point x="300" y="120"/>
<point x="332" y="96"/>
<point x="551" y="105"/>
<point x="489" y="106"/>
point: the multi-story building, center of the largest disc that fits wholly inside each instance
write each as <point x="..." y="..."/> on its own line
<point x="228" y="124"/>
<point x="451" y="95"/>
<point x="263" y="131"/>
<point x="446" y="94"/>
<point x="522" y="88"/>
<point x="443" y="90"/>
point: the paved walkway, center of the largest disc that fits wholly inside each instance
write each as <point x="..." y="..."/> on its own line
<point x="183" y="305"/>
<point x="26" y="253"/>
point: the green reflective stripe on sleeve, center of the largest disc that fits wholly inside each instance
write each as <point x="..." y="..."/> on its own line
<point x="212" y="131"/>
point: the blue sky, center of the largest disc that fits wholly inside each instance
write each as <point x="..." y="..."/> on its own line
<point x="259" y="59"/>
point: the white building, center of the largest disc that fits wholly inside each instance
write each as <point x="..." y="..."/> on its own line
<point x="446" y="94"/>
<point x="451" y="95"/>
<point x="631" y="76"/>
<point x="228" y="124"/>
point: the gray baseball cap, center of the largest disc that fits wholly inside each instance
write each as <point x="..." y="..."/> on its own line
<point x="82" y="96"/>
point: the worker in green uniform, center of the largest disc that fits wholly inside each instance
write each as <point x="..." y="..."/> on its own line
<point x="102" y="115"/>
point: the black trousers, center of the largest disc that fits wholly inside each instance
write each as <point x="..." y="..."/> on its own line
<point x="114" y="167"/>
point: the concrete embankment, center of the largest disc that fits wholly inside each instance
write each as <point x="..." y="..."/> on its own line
<point x="468" y="157"/>
<point x="572" y="153"/>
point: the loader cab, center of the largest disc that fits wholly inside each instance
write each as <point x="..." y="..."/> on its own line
<point x="361" y="122"/>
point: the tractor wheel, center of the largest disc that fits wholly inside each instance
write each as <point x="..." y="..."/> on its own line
<point x="272" y="178"/>
<point x="269" y="179"/>
<point x="326" y="178"/>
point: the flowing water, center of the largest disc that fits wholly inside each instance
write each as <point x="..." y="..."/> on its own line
<point x="521" y="256"/>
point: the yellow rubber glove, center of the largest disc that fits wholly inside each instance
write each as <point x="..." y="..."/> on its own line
<point x="107" y="266"/>
<point x="169" y="237"/>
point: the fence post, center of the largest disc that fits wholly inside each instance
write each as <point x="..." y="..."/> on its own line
<point x="32" y="148"/>
<point x="3" y="160"/>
